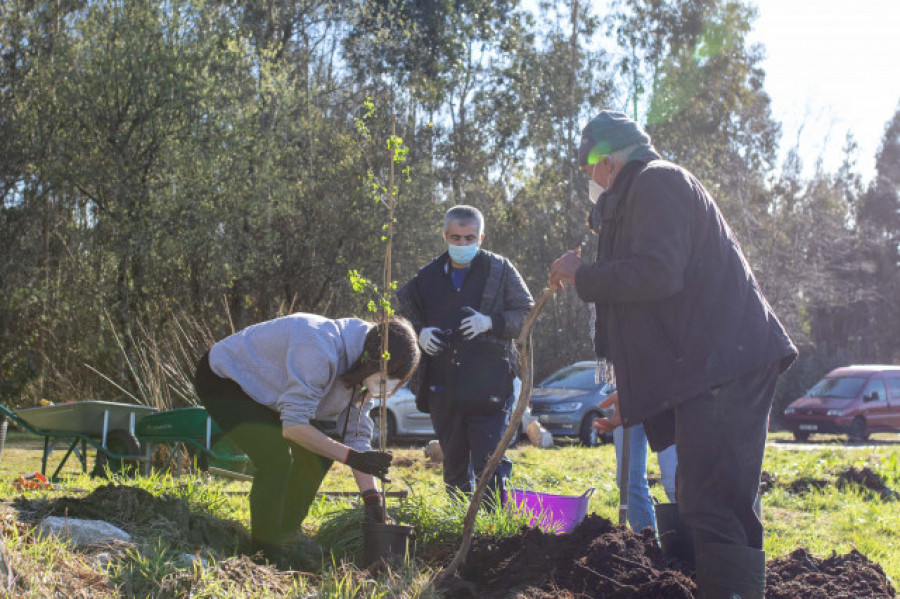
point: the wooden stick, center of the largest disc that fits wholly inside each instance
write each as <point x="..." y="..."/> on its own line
<point x="402" y="494"/>
<point x="523" y="343"/>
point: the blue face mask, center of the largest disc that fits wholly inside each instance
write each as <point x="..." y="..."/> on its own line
<point x="462" y="254"/>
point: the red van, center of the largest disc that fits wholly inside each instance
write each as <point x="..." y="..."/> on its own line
<point x="856" y="400"/>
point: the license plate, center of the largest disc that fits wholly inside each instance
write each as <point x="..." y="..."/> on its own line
<point x="808" y="427"/>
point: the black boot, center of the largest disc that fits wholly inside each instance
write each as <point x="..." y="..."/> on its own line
<point x="730" y="571"/>
<point x="675" y="536"/>
<point x="264" y="552"/>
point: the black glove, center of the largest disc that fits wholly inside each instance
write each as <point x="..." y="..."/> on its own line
<point x="373" y="503"/>
<point x="375" y="463"/>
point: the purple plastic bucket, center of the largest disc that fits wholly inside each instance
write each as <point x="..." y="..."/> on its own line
<point x="560" y="513"/>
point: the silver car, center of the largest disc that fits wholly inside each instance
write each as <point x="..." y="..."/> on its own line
<point x="404" y="421"/>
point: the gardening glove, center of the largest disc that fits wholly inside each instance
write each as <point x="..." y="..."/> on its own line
<point x="373" y="504"/>
<point x="430" y="341"/>
<point x="375" y="463"/>
<point x="475" y="324"/>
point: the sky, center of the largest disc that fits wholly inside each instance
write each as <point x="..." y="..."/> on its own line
<point x="831" y="67"/>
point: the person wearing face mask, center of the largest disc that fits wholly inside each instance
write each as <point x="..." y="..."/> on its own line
<point x="467" y="305"/>
<point x="294" y="393"/>
<point x="695" y="347"/>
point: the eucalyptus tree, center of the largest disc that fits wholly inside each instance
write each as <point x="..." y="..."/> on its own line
<point x="878" y="220"/>
<point x="551" y="79"/>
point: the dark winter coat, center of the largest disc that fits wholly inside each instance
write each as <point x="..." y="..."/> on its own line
<point x="682" y="310"/>
<point x="430" y="300"/>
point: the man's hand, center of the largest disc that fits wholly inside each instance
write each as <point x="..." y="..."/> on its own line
<point x="475" y="324"/>
<point x="606" y="425"/>
<point x="563" y="270"/>
<point x="376" y="463"/>
<point x="430" y="341"/>
<point x="373" y="504"/>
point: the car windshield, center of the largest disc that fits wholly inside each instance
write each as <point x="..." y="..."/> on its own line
<point x="570" y="378"/>
<point x="838" y="387"/>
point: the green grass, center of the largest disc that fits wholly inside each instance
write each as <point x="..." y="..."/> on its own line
<point x="831" y="519"/>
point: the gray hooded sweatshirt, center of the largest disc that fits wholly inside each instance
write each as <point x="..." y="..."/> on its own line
<point x="292" y="364"/>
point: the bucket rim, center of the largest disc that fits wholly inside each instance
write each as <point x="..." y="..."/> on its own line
<point x="525" y="492"/>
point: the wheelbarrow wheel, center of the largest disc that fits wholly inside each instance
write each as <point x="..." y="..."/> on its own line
<point x="120" y="442"/>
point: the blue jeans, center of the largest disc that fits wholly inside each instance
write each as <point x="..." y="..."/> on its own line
<point x="668" y="463"/>
<point x="640" y="504"/>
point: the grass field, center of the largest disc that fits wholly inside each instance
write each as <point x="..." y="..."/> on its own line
<point x="824" y="519"/>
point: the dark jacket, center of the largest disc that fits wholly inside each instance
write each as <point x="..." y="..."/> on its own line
<point x="682" y="310"/>
<point x="425" y="300"/>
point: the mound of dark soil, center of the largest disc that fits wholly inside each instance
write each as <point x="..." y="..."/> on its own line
<point x="864" y="478"/>
<point x="803" y="485"/>
<point x="597" y="559"/>
<point x="137" y="511"/>
<point x="802" y="576"/>
<point x="868" y="479"/>
<point x="602" y="560"/>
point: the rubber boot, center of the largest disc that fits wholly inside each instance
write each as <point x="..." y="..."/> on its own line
<point x="730" y="571"/>
<point x="262" y="552"/>
<point x="674" y="535"/>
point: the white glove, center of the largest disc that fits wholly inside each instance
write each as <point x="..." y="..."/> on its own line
<point x="429" y="341"/>
<point x="474" y="325"/>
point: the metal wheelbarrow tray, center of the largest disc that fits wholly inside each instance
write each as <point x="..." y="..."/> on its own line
<point x="89" y="417"/>
<point x="107" y="426"/>
<point x="194" y="428"/>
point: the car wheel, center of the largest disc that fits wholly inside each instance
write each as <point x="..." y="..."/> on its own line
<point x="121" y="442"/>
<point x="801" y="435"/>
<point x="588" y="435"/>
<point x="390" y="428"/>
<point x="858" y="430"/>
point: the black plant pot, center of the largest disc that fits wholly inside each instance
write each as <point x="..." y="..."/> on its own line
<point x="387" y="541"/>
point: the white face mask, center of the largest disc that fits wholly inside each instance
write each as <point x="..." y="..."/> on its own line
<point x="373" y="384"/>
<point x="595" y="190"/>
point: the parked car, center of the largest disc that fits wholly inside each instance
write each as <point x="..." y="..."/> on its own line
<point x="855" y="400"/>
<point x="566" y="403"/>
<point x="404" y="421"/>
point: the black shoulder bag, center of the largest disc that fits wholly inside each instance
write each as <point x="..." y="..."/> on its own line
<point x="481" y="377"/>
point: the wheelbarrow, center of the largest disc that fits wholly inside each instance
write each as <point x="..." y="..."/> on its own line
<point x="192" y="429"/>
<point x="108" y="427"/>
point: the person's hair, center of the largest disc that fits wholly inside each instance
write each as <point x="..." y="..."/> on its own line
<point x="403" y="347"/>
<point x="623" y="154"/>
<point x="464" y="215"/>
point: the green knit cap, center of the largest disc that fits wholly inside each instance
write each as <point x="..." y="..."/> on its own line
<point x="607" y="132"/>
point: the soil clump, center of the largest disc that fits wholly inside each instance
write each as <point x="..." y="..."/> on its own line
<point x="803" y="576"/>
<point x="863" y="478"/>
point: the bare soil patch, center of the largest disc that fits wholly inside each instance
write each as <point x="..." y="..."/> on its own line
<point x="863" y="478"/>
<point x="600" y="560"/>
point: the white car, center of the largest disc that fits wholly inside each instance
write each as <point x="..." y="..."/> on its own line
<point x="404" y="421"/>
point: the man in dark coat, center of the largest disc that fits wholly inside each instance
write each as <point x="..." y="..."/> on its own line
<point x="468" y="305"/>
<point x="695" y="346"/>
